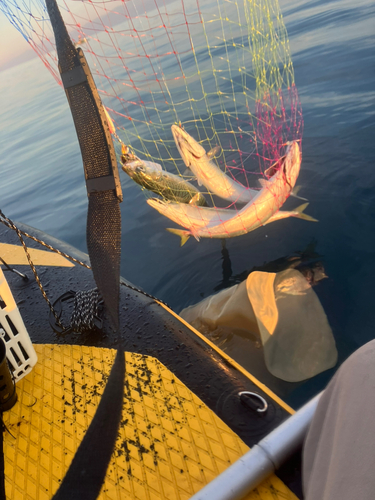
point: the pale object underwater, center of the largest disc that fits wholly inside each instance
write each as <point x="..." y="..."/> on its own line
<point x="152" y="177"/>
<point x="281" y="312"/>
<point x="205" y="170"/>
<point x="257" y="212"/>
<point x="193" y="217"/>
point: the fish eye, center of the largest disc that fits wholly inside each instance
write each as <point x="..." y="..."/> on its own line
<point x="139" y="169"/>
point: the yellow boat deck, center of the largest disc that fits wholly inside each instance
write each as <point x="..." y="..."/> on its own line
<point x="169" y="444"/>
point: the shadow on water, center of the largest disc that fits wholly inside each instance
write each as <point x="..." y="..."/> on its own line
<point x="307" y="261"/>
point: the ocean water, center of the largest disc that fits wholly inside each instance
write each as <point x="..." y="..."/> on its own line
<point x="332" y="47"/>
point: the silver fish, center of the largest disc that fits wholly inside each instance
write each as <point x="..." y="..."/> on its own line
<point x="258" y="211"/>
<point x="193" y="217"/>
<point x="205" y="170"/>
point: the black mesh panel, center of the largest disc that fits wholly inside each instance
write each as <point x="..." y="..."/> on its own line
<point x="103" y="218"/>
<point x="90" y="132"/>
<point x="104" y="246"/>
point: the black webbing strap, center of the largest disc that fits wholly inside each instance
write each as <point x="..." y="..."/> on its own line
<point x="86" y="474"/>
<point x="99" y="163"/>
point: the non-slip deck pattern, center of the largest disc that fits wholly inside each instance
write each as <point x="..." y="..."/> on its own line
<point x="169" y="443"/>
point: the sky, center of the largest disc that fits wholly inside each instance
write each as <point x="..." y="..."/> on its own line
<point x="13" y="46"/>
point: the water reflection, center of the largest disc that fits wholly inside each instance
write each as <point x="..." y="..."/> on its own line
<point x="308" y="262"/>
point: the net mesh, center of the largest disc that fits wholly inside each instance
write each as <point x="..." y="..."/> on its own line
<point x="221" y="68"/>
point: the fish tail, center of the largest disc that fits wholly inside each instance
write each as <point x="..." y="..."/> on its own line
<point x="184" y="235"/>
<point x="301" y="215"/>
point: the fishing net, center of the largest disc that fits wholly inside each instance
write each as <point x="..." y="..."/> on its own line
<point x="221" y="68"/>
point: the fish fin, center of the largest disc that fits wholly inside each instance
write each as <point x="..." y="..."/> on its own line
<point x="274" y="168"/>
<point x="195" y="199"/>
<point x="200" y="183"/>
<point x="301" y="215"/>
<point x="273" y="218"/>
<point x="155" y="201"/>
<point x="188" y="175"/>
<point x="295" y="191"/>
<point x="184" y="235"/>
<point x="271" y="171"/>
<point x="214" y="152"/>
<point x="297" y="212"/>
<point x="263" y="182"/>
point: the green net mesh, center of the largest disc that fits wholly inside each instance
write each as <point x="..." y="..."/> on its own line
<point x="221" y="68"/>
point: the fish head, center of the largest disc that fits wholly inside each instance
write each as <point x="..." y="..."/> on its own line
<point x="137" y="168"/>
<point x="133" y="168"/>
<point x="319" y="272"/>
<point x="292" y="164"/>
<point x="188" y="147"/>
<point x="127" y="158"/>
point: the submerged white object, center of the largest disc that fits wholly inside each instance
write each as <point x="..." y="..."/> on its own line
<point x="20" y="352"/>
<point x="229" y="309"/>
<point x="283" y="312"/>
<point x="297" y="339"/>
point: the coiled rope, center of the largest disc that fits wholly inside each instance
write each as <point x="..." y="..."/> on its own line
<point x="86" y="303"/>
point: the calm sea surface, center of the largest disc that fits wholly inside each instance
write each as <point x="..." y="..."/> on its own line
<point x="332" y="46"/>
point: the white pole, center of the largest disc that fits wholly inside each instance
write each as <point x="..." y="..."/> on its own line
<point x="262" y="460"/>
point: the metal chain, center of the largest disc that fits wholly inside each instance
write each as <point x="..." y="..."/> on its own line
<point x="7" y="222"/>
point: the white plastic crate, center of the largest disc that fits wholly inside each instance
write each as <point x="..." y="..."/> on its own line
<point x="20" y="352"/>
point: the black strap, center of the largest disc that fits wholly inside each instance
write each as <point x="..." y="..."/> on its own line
<point x="99" y="163"/>
<point x="88" y="469"/>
